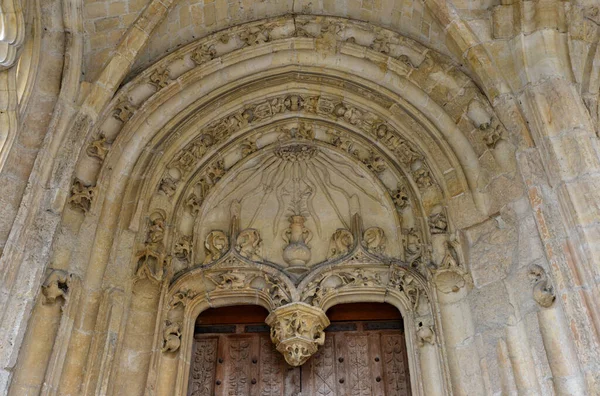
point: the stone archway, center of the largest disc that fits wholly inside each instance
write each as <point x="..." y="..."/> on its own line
<point x="340" y="121"/>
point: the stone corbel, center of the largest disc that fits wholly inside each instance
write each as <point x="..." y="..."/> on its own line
<point x="297" y="330"/>
<point x="12" y="32"/>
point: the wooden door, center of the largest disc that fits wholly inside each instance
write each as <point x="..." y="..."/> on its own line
<point x="358" y="358"/>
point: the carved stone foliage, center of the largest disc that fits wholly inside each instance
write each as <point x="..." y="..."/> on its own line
<point x="543" y="291"/>
<point x="183" y="249"/>
<point x="249" y="244"/>
<point x="216" y="245"/>
<point x="236" y="280"/>
<point x="81" y="195"/>
<point x="124" y="110"/>
<point x="358" y="278"/>
<point x="174" y="322"/>
<point x="151" y="265"/>
<point x="341" y="243"/>
<point x="438" y="223"/>
<point x="329" y="107"/>
<point x="98" y="148"/>
<point x="400" y="197"/>
<point x="56" y="286"/>
<point x="297" y="330"/>
<point x="374" y="240"/>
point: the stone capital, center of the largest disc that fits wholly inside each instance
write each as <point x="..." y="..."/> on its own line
<point x="297" y="330"/>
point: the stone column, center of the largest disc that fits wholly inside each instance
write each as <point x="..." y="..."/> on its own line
<point x="433" y="380"/>
<point x="519" y="353"/>
<point x="459" y="333"/>
<point x="556" y="335"/>
<point x="40" y="336"/>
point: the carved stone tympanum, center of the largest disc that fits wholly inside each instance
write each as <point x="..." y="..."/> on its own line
<point x="297" y="330"/>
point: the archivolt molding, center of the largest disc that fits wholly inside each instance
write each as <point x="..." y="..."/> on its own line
<point x="401" y="56"/>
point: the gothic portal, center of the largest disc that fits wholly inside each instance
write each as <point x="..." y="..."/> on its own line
<point x="371" y="197"/>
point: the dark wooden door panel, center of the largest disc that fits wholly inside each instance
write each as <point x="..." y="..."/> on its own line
<point x="353" y="363"/>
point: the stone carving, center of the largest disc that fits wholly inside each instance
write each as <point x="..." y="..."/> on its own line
<point x="543" y="291"/>
<point x="425" y="333"/>
<point x="248" y="244"/>
<point x="183" y="249"/>
<point x="297" y="330"/>
<point x="341" y="243"/>
<point x="400" y="197"/>
<point x="492" y="136"/>
<point x="248" y="147"/>
<point x="320" y="288"/>
<point x="160" y="78"/>
<point x="156" y="228"/>
<point x="221" y="129"/>
<point x="479" y="115"/>
<point x="406" y="283"/>
<point x="438" y="223"/>
<point x="422" y="177"/>
<point x="167" y="186"/>
<point x="124" y="110"/>
<point x="171" y="337"/>
<point x="150" y="265"/>
<point x="216" y="245"/>
<point x="55" y="286"/>
<point x="374" y="240"/>
<point x="277" y="290"/>
<point x="81" y="195"/>
<point x="297" y="253"/>
<point x="98" y="148"/>
<point x="230" y="280"/>
<point x="204" y="54"/>
<point x="255" y="35"/>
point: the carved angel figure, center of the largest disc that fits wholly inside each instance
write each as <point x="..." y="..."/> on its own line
<point x="341" y="243"/>
<point x="171" y="337"/>
<point x="215" y="246"/>
<point x="375" y="240"/>
<point x="249" y="244"/>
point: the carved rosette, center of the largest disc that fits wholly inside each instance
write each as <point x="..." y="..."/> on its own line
<point x="297" y="330"/>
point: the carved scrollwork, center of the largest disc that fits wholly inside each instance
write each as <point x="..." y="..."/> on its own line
<point x="249" y="244"/>
<point x="374" y="240"/>
<point x="341" y="242"/>
<point x="216" y="245"/>
<point x="543" y="291"/>
<point x="56" y="286"/>
<point x="406" y="283"/>
<point x="297" y="330"/>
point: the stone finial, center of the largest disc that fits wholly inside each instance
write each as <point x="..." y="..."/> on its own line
<point x="543" y="291"/>
<point x="297" y="330"/>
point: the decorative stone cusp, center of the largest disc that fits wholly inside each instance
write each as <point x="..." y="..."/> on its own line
<point x="297" y="330"/>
